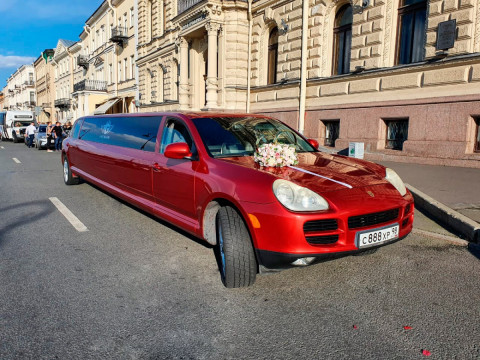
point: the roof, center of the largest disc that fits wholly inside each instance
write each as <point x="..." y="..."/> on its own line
<point x="67" y="43"/>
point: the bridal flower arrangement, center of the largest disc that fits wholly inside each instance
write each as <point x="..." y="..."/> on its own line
<point x="275" y="155"/>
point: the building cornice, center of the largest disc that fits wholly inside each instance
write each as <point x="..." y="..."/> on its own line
<point x="157" y="52"/>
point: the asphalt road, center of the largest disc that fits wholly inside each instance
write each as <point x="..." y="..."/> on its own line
<point x="132" y="287"/>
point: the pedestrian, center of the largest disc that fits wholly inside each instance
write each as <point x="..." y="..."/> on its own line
<point x="58" y="135"/>
<point x="49" y="136"/>
<point x="66" y="128"/>
<point x="30" y="133"/>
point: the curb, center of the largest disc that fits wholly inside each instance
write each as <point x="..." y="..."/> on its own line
<point x="460" y="223"/>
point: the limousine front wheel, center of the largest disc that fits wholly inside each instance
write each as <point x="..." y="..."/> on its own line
<point x="238" y="265"/>
<point x="67" y="173"/>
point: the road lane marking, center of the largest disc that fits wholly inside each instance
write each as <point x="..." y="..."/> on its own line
<point x="1" y="147"/>
<point x="16" y="160"/>
<point x="77" y="224"/>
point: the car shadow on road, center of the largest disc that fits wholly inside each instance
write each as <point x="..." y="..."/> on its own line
<point x="153" y="217"/>
<point x="42" y="208"/>
<point x="474" y="250"/>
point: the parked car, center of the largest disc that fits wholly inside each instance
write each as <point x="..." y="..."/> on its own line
<point x="40" y="138"/>
<point x="199" y="172"/>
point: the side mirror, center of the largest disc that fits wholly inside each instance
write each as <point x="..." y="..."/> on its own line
<point x="313" y="142"/>
<point x="178" y="151"/>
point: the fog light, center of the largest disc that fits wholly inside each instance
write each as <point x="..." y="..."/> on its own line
<point x="303" y="261"/>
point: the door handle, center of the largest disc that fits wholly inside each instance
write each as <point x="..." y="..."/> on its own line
<point x="156" y="167"/>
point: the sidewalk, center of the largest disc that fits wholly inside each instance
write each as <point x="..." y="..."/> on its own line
<point x="450" y="195"/>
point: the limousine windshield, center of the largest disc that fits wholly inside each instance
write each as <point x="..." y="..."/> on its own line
<point x="233" y="136"/>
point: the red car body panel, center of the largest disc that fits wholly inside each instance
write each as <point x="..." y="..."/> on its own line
<point x="179" y="190"/>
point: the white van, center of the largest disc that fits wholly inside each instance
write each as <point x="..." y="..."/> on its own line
<point x="15" y="124"/>
<point x="2" y="124"/>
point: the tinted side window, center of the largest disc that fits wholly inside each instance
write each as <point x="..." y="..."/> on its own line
<point x="133" y="132"/>
<point x="76" y="128"/>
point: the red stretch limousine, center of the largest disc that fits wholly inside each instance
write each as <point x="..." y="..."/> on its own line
<point x="257" y="190"/>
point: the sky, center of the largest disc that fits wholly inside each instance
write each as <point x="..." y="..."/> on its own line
<point x="30" y="26"/>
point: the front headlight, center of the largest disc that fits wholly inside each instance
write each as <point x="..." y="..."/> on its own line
<point x="393" y="178"/>
<point x="297" y="198"/>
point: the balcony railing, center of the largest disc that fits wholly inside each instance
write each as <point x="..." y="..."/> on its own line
<point x="29" y="103"/>
<point x="90" y="85"/>
<point x="82" y="60"/>
<point x="119" y="34"/>
<point x="28" y="83"/>
<point x="62" y="103"/>
<point x="184" y="5"/>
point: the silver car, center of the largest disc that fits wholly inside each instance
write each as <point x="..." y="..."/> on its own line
<point x="40" y="138"/>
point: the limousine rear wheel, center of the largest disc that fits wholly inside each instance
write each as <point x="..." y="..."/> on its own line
<point x="238" y="265"/>
<point x="67" y="173"/>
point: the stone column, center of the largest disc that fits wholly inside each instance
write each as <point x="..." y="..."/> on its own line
<point x="183" y="81"/>
<point x="212" y="81"/>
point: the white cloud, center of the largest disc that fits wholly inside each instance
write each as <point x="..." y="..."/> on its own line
<point x="11" y="61"/>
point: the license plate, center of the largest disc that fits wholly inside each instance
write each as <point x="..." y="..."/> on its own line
<point x="377" y="236"/>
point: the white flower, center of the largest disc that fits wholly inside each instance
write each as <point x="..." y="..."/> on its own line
<point x="275" y="155"/>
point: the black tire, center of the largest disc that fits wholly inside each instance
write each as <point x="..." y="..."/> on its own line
<point x="238" y="266"/>
<point x="14" y="137"/>
<point x="67" y="173"/>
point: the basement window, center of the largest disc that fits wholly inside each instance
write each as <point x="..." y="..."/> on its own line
<point x="397" y="133"/>
<point x="477" y="135"/>
<point x="332" y="132"/>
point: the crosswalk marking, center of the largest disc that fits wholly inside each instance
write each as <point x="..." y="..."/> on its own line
<point x="16" y="160"/>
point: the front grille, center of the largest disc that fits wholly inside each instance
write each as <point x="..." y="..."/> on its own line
<point x="320" y="225"/>
<point x="407" y="209"/>
<point x="359" y="221"/>
<point x="322" y="240"/>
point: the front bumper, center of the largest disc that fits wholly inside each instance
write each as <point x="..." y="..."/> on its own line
<point x="282" y="236"/>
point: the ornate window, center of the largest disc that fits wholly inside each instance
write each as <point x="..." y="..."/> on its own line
<point x="150" y="20"/>
<point x="397" y="133"/>
<point x="342" y="40"/>
<point x="164" y="17"/>
<point x="411" y="31"/>
<point x="272" y="56"/>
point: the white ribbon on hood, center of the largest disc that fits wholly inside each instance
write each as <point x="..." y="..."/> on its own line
<point x="323" y="177"/>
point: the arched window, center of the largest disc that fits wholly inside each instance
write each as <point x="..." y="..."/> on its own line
<point x="272" y="56"/>
<point x="342" y="40"/>
<point x="412" y="16"/>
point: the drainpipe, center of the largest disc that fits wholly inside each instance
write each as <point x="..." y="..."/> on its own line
<point x="249" y="57"/>
<point x="115" y="62"/>
<point x="137" y="91"/>
<point x="303" y="71"/>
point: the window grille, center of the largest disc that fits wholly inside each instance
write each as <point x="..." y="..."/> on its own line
<point x="397" y="133"/>
<point x="332" y="132"/>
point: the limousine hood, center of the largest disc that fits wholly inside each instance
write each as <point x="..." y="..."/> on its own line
<point x="322" y="172"/>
